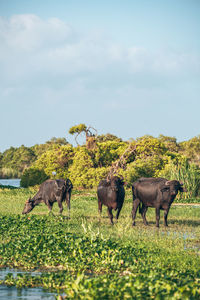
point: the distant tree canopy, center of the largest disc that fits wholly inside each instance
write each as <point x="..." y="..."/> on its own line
<point x="191" y="149"/>
<point x="18" y="158"/>
<point x="14" y="161"/>
<point x="57" y="141"/>
<point x="86" y="165"/>
<point x="107" y="137"/>
<point x="89" y="132"/>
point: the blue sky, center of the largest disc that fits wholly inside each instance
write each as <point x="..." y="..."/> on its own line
<point x="125" y="67"/>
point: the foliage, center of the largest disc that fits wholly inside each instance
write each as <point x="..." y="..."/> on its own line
<point x="149" y="146"/>
<point x="151" y="156"/>
<point x="86" y="264"/>
<point x="32" y="176"/>
<point x="89" y="134"/>
<point x="78" y="129"/>
<point x="18" y="158"/>
<point x="86" y="165"/>
<point x="58" y="141"/>
<point x="147" y="167"/>
<point x="14" y="161"/>
<point x="191" y="149"/>
<point x="169" y="142"/>
<point x="107" y="137"/>
<point x="39" y="149"/>
<point x="9" y="173"/>
<point x="188" y="174"/>
<point x="58" y="160"/>
<point x="108" y="152"/>
<point x="82" y="171"/>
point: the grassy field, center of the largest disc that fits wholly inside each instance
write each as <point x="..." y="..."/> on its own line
<point x="85" y="257"/>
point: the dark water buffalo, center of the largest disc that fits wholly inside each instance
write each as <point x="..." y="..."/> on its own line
<point x="49" y="192"/>
<point x="154" y="192"/>
<point x="111" y="193"/>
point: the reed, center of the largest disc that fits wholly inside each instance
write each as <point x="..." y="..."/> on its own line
<point x="6" y="173"/>
<point x="187" y="173"/>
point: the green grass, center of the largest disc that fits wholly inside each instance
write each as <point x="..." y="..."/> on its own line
<point x="87" y="258"/>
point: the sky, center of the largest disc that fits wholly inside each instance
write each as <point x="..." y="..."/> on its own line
<point x="128" y="67"/>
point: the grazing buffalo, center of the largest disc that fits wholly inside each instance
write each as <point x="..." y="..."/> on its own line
<point x="111" y="193"/>
<point x="49" y="192"/>
<point x="154" y="192"/>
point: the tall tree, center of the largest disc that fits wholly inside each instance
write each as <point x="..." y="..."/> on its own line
<point x="90" y="134"/>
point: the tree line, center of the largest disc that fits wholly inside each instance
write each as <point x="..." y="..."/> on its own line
<point x="87" y="164"/>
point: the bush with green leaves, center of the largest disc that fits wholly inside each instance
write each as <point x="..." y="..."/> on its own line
<point x="86" y="166"/>
<point x="82" y="172"/>
<point x="147" y="167"/>
<point x="33" y="176"/>
<point x="58" y="160"/>
<point x="108" y="152"/>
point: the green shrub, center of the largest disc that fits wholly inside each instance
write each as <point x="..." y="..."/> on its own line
<point x="147" y="167"/>
<point x="33" y="176"/>
<point x="82" y="171"/>
<point x="109" y="151"/>
<point x="58" y="159"/>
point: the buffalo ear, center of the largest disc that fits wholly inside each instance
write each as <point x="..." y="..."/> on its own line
<point x="181" y="183"/>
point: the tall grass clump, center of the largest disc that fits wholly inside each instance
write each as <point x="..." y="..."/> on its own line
<point x="185" y="172"/>
<point x="9" y="173"/>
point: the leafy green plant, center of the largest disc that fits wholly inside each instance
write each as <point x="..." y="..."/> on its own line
<point x="85" y="258"/>
<point x="33" y="176"/>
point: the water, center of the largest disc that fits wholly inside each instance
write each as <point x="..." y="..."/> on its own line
<point x="13" y="293"/>
<point x="6" y="271"/>
<point x="12" y="182"/>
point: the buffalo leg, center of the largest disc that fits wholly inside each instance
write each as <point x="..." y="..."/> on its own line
<point x="68" y="196"/>
<point x="60" y="206"/>
<point x="136" y="203"/>
<point x="157" y="216"/>
<point x="143" y="213"/>
<point x="118" y="212"/>
<point x="99" y="207"/>
<point x="165" y="216"/>
<point x="110" y="215"/>
<point x="49" y="205"/>
<point x="67" y="199"/>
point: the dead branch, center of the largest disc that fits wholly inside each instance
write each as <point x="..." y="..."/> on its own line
<point x="121" y="162"/>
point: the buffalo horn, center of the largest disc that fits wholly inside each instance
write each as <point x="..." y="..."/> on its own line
<point x="167" y="182"/>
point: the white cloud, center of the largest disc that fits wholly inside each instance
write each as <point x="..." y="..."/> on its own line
<point x="36" y="52"/>
<point x="29" y="32"/>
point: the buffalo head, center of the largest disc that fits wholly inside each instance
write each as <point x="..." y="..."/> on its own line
<point x="174" y="186"/>
<point x="69" y="185"/>
<point x="29" y="205"/>
<point x="115" y="183"/>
